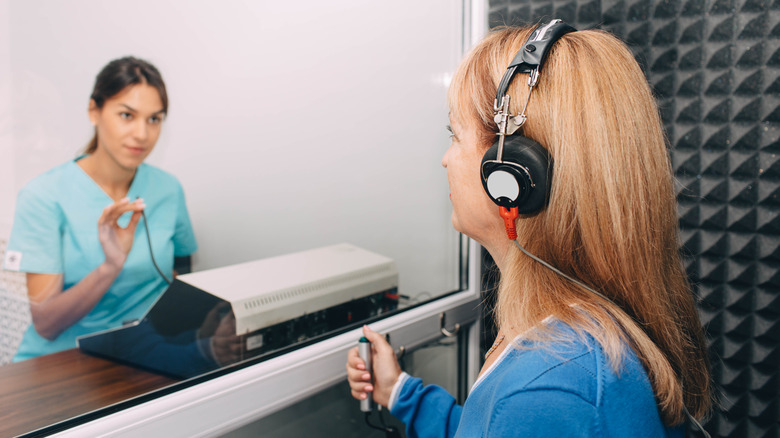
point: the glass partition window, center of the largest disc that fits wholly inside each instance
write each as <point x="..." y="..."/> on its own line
<point x="292" y="127"/>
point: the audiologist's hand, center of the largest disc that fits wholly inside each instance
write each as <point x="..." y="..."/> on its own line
<point x="116" y="240"/>
<point x="225" y="344"/>
<point x="386" y="369"/>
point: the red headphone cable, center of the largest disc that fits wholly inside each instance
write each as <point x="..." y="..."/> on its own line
<point x="509" y="216"/>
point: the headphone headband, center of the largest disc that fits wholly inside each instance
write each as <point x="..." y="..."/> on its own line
<point x="533" y="54"/>
<point x="516" y="171"/>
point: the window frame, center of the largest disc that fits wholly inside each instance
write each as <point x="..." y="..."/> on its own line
<point x="235" y="399"/>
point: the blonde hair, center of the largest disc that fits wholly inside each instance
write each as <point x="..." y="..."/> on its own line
<point x="612" y="218"/>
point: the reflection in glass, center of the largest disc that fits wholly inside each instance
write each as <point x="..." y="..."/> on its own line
<point x="214" y="318"/>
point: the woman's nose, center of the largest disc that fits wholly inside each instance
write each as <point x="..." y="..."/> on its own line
<point x="141" y="131"/>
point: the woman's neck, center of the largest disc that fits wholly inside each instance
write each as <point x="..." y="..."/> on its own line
<point x="112" y="178"/>
<point x="498" y="248"/>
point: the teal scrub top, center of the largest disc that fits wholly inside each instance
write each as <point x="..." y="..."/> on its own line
<point x="55" y="232"/>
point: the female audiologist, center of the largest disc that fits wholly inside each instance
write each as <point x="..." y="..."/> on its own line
<point x="610" y="344"/>
<point x="76" y="227"/>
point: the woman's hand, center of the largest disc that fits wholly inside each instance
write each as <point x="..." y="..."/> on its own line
<point x="225" y="345"/>
<point x="53" y="311"/>
<point x="115" y="240"/>
<point x="386" y="369"/>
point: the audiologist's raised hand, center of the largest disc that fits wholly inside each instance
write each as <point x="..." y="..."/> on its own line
<point x="53" y="311"/>
<point x="116" y="240"/>
<point x="385" y="373"/>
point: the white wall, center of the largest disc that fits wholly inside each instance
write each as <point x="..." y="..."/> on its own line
<point x="292" y="125"/>
<point x="7" y="175"/>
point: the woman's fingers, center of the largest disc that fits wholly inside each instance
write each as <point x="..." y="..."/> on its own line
<point x="133" y="221"/>
<point x="362" y="389"/>
<point x="381" y="349"/>
<point x="359" y="385"/>
<point x="117" y="208"/>
<point x="113" y="212"/>
<point x="359" y="395"/>
<point x="385" y="366"/>
<point x="354" y="360"/>
<point x="378" y="342"/>
<point x="358" y="378"/>
<point x="115" y="239"/>
<point x="105" y="217"/>
<point x="236" y="347"/>
<point x="356" y="368"/>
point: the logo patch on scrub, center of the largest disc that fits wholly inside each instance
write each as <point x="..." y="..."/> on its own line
<point x="13" y="260"/>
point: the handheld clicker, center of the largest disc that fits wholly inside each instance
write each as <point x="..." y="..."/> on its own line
<point x="364" y="351"/>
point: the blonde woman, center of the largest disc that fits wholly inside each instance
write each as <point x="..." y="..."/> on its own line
<point x="599" y="333"/>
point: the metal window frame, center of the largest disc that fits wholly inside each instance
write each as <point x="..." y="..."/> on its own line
<point x="239" y="398"/>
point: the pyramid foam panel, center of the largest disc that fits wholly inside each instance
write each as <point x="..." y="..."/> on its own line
<point x="714" y="66"/>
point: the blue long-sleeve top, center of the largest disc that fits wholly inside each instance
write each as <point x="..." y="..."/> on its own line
<point x="563" y="388"/>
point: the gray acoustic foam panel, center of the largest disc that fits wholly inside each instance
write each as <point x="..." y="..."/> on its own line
<point x="715" y="69"/>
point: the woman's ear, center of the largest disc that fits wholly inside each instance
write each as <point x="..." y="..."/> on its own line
<point x="93" y="111"/>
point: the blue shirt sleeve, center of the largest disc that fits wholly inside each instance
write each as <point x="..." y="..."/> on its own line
<point x="427" y="411"/>
<point x="35" y="244"/>
<point x="184" y="242"/>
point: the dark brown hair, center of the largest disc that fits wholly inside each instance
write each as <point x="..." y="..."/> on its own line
<point x="119" y="74"/>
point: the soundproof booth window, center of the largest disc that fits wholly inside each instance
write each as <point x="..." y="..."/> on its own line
<point x="282" y="183"/>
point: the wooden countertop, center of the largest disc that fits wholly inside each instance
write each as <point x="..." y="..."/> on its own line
<point x="49" y="389"/>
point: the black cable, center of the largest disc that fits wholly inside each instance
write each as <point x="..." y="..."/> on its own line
<point x="149" y="240"/>
<point x="371" y="425"/>
<point x="390" y="432"/>
<point x="382" y="417"/>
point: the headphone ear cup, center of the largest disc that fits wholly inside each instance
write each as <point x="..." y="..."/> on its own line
<point x="522" y="178"/>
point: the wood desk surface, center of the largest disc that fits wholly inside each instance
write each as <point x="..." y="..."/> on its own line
<point x="49" y="389"/>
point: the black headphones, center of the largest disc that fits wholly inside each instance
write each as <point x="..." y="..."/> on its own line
<point x="516" y="171"/>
